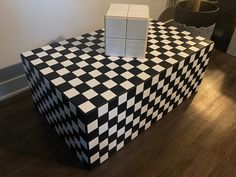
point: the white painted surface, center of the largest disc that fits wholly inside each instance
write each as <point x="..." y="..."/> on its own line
<point x="137" y="28"/>
<point x="28" y="24"/>
<point x="119" y="6"/>
<point x="115" y="47"/>
<point x="115" y="27"/>
<point x="136" y="48"/>
<point x="138" y="22"/>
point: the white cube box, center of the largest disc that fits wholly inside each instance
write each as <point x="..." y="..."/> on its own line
<point x="135" y="48"/>
<point x="115" y="47"/>
<point x="126" y="27"/>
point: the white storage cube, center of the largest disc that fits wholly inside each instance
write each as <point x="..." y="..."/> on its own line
<point x="126" y="26"/>
<point x="136" y="48"/>
<point x="115" y="47"/>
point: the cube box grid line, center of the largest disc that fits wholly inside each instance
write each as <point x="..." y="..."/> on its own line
<point x="126" y="30"/>
<point x="105" y="102"/>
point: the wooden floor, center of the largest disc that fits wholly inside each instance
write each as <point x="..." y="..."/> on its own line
<point x="197" y="139"/>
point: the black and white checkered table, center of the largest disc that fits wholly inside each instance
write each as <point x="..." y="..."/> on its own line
<point x="99" y="103"/>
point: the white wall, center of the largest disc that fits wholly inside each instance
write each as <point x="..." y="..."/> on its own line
<point x="28" y="24"/>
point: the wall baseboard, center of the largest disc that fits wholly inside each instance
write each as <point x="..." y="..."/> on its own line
<point x="10" y="72"/>
<point x="13" y="87"/>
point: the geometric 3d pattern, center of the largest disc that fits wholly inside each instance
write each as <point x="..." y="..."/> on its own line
<point x="99" y="103"/>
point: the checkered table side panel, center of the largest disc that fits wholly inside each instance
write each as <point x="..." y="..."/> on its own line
<point x="123" y="119"/>
<point x="60" y="113"/>
<point x="81" y="71"/>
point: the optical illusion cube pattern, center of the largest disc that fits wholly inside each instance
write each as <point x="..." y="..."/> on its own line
<point x="99" y="103"/>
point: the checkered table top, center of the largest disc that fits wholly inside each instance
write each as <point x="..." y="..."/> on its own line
<point x="79" y="68"/>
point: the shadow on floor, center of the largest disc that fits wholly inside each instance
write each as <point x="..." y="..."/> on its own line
<point x="222" y="63"/>
<point x="26" y="139"/>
